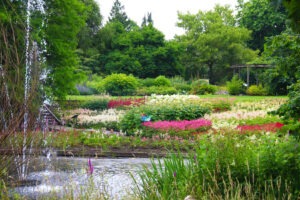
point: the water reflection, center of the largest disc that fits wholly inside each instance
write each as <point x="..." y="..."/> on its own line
<point x="62" y="175"/>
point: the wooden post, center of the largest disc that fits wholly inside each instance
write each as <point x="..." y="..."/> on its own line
<point x="248" y="76"/>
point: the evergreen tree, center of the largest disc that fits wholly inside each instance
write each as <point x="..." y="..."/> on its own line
<point x="117" y="14"/>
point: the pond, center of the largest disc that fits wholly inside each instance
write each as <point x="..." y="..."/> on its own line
<point x="111" y="177"/>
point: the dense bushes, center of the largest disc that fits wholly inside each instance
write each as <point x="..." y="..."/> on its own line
<point x="255" y="90"/>
<point x="100" y="104"/>
<point x="230" y="167"/>
<point x="235" y="86"/>
<point x="161" y="90"/>
<point x="131" y="121"/>
<point x="120" y="84"/>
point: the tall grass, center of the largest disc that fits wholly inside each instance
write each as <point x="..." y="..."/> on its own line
<point x="227" y="167"/>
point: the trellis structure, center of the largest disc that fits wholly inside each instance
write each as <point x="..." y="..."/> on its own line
<point x="248" y="66"/>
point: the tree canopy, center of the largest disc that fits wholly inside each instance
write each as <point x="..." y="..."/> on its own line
<point x="263" y="19"/>
<point x="214" y="41"/>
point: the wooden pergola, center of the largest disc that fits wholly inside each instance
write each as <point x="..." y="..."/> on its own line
<point x="248" y="66"/>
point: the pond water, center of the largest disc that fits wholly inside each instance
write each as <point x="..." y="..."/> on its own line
<point x="61" y="175"/>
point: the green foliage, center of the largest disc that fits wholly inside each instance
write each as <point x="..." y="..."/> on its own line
<point x="131" y="121"/>
<point x="255" y="90"/>
<point x="162" y="81"/>
<point x="213" y="41"/>
<point x="290" y="111"/>
<point x="120" y="84"/>
<point x="235" y="86"/>
<point x="230" y="167"/>
<point x="142" y="52"/>
<point x="272" y="23"/>
<point x="161" y="90"/>
<point x="147" y="82"/>
<point x="61" y="39"/>
<point x="283" y="52"/>
<point x="204" y="89"/>
<point x="220" y="106"/>
<point x="199" y="82"/>
<point x="99" y="104"/>
<point x="96" y="84"/>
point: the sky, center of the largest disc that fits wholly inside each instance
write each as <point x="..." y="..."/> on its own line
<point x="164" y="12"/>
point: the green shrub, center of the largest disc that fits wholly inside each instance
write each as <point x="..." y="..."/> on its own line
<point x="100" y="104"/>
<point x="199" y="82"/>
<point x="255" y="90"/>
<point x="162" y="81"/>
<point x="290" y="111"/>
<point x="230" y="167"/>
<point x="96" y="84"/>
<point x="131" y="121"/>
<point x="235" y="86"/>
<point x="182" y="88"/>
<point x="221" y="106"/>
<point x="147" y="82"/>
<point x="161" y="90"/>
<point x="204" y="89"/>
<point x="120" y="84"/>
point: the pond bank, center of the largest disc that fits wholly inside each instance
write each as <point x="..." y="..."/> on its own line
<point x="97" y="152"/>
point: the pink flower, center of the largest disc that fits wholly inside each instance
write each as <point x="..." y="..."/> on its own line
<point x="179" y="125"/>
<point x="90" y="167"/>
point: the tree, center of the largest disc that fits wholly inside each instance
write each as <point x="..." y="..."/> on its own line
<point x="283" y="52"/>
<point x="87" y="47"/>
<point x="64" y="21"/>
<point x="117" y="14"/>
<point x="263" y="19"/>
<point x="214" y="40"/>
<point x="293" y="7"/>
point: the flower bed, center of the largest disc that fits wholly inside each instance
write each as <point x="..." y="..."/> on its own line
<point x="179" y="125"/>
<point x="125" y="102"/>
<point x="271" y="127"/>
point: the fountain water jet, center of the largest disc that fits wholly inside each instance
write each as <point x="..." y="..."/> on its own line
<point x="32" y="53"/>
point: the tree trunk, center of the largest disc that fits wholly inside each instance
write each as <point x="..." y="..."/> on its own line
<point x="210" y="74"/>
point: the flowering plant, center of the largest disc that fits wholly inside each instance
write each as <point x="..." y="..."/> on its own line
<point x="271" y="127"/>
<point x="125" y="102"/>
<point x="179" y="125"/>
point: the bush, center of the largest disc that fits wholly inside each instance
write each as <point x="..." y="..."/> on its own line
<point x="230" y="167"/>
<point x="290" y="111"/>
<point x="204" y="89"/>
<point x="162" y="81"/>
<point x="131" y="121"/>
<point x="120" y="84"/>
<point x="156" y="90"/>
<point x="235" y="86"/>
<point x="255" y="90"/>
<point x="199" y="82"/>
<point x="182" y="87"/>
<point x="96" y="84"/>
<point x="147" y="82"/>
<point x="100" y="104"/>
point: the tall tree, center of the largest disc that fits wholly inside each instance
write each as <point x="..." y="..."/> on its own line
<point x="283" y="52"/>
<point x="214" y="41"/>
<point x="263" y="19"/>
<point x="293" y="7"/>
<point x="87" y="45"/>
<point x="64" y="21"/>
<point x="117" y="14"/>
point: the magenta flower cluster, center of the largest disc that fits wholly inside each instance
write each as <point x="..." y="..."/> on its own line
<point x="179" y="125"/>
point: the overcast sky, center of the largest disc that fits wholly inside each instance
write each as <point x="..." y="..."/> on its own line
<point x="164" y="12"/>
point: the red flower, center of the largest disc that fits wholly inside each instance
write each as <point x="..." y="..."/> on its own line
<point x="272" y="127"/>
